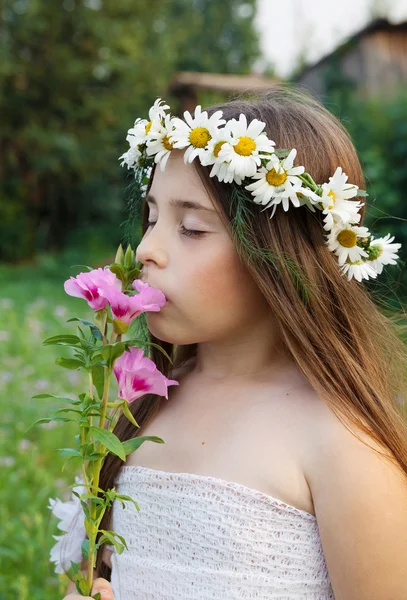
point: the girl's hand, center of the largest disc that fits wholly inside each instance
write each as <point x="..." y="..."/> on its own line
<point x="99" y="585"/>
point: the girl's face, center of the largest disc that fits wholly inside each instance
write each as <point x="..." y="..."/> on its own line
<point x="188" y="254"/>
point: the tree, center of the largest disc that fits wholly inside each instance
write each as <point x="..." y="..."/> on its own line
<point x="73" y="76"/>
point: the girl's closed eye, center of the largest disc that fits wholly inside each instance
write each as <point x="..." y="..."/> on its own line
<point x="184" y="231"/>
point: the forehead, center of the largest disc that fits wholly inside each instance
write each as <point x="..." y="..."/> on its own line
<point x="179" y="180"/>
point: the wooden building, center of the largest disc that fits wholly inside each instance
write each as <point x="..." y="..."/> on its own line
<point x="374" y="61"/>
<point x="186" y="85"/>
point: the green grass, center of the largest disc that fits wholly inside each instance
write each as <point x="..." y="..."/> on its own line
<point x="34" y="306"/>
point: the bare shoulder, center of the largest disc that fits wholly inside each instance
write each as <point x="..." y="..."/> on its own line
<point x="329" y="435"/>
<point x="360" y="498"/>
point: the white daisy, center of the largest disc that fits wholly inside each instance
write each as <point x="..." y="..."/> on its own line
<point x="245" y="147"/>
<point x="340" y="212"/>
<point x="72" y="522"/>
<point x="343" y="242"/>
<point x="335" y="200"/>
<point x="157" y="111"/>
<point x="277" y="182"/>
<point x="309" y="198"/>
<point x="138" y="135"/>
<point x="210" y="156"/>
<point x="158" y="142"/>
<point x="196" y="133"/>
<point x="383" y="252"/>
<point x="130" y="158"/>
<point x="359" y="270"/>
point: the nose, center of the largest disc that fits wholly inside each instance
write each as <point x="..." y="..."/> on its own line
<point x="150" y="249"/>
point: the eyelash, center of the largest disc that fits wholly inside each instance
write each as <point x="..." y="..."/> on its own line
<point x="187" y="232"/>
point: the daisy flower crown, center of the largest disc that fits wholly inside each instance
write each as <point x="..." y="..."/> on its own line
<point x="239" y="152"/>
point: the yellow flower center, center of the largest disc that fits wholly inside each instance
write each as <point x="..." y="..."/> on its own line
<point x="148" y="126"/>
<point x="245" y="146"/>
<point x="199" y="137"/>
<point x="217" y="148"/>
<point x="347" y="238"/>
<point x="166" y="143"/>
<point x="276" y="179"/>
<point x="332" y="195"/>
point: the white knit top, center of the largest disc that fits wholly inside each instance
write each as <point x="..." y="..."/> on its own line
<point x="198" y="537"/>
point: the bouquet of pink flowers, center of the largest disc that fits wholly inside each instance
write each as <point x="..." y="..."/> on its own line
<point x="117" y="298"/>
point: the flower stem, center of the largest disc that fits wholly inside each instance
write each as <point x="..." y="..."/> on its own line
<point x="90" y="393"/>
<point x="94" y="527"/>
<point x="307" y="179"/>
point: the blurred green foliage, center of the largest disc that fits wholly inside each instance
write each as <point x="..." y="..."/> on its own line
<point x="74" y="74"/>
<point x="33" y="306"/>
<point x="378" y="127"/>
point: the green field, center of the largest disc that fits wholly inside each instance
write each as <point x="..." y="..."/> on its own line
<point x="34" y="306"/>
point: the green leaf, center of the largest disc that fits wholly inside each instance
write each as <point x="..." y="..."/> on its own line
<point x="94" y="498"/>
<point x="69" y="363"/>
<point x="96" y="356"/>
<point x="118" y="270"/>
<point x="94" y="329"/>
<point x="282" y="152"/>
<point x="108" y="439"/>
<point x="110" y="536"/>
<point x="137" y="343"/>
<point x="114" y="534"/>
<point x="47" y="420"/>
<point x="70" y="452"/>
<point x="58" y="398"/>
<point x="121" y="497"/>
<point x="98" y="376"/>
<point x="82" y="267"/>
<point x="85" y="549"/>
<point x="101" y="319"/>
<point x="111" y="352"/>
<point x="63" y="410"/>
<point x="128" y="414"/>
<point x="95" y="456"/>
<point x="70" y="340"/>
<point x="132" y="445"/>
<point x="133" y="274"/>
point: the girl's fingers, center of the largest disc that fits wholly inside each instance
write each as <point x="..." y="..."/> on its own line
<point x="103" y="586"/>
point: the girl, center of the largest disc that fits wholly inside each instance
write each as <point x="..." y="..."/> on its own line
<point x="284" y="470"/>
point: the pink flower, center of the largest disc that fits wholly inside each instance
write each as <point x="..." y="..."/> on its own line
<point x="150" y="296"/>
<point x="126" y="308"/>
<point x="138" y="375"/>
<point x="89" y="285"/>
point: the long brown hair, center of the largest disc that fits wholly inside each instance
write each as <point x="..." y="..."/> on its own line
<point x="347" y="345"/>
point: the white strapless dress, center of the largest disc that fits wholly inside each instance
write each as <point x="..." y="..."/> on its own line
<point x="198" y="537"/>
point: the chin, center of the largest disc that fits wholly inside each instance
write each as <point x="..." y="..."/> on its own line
<point x="167" y="334"/>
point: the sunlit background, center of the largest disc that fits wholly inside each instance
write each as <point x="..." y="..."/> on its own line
<point x="74" y="75"/>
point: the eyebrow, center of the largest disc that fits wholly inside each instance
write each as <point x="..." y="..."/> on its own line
<point x="186" y="204"/>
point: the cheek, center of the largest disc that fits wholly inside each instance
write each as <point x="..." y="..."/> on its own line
<point x="213" y="293"/>
<point x="222" y="284"/>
